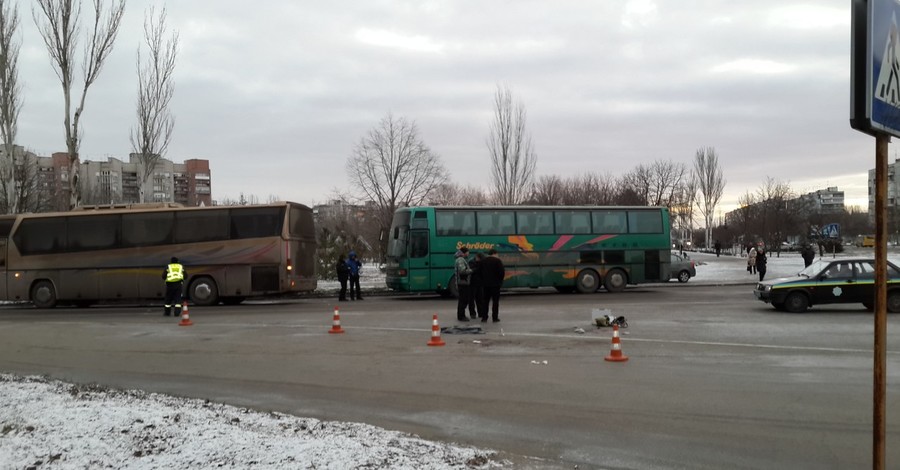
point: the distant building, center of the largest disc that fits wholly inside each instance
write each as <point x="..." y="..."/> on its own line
<point x="337" y="208"/>
<point x="824" y="201"/>
<point x="112" y="181"/>
<point x="893" y="190"/>
<point x="115" y="181"/>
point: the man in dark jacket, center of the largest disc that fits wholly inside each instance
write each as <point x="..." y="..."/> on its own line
<point x="808" y="255"/>
<point x="476" y="287"/>
<point x="493" y="273"/>
<point x="343" y="274"/>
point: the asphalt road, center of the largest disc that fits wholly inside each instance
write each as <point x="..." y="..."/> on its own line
<point x="715" y="378"/>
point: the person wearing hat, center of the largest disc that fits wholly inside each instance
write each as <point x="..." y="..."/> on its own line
<point x="174" y="275"/>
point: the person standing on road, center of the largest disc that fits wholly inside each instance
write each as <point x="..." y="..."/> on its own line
<point x="718" y="248"/>
<point x="476" y="286"/>
<point x="354" y="265"/>
<point x="463" y="274"/>
<point x="761" y="263"/>
<point x="751" y="260"/>
<point x="343" y="273"/>
<point x="493" y="274"/>
<point x="174" y="275"/>
<point x="808" y="255"/>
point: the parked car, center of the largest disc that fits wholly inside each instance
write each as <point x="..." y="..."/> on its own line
<point x="682" y="268"/>
<point x="835" y="281"/>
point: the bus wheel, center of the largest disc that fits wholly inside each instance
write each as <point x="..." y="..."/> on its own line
<point x="43" y="294"/>
<point x="588" y="281"/>
<point x="203" y="292"/>
<point x="615" y="280"/>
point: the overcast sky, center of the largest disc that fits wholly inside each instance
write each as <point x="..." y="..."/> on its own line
<point x="276" y="93"/>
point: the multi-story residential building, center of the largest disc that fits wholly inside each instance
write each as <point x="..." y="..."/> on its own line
<point x="824" y="201"/>
<point x="115" y="181"/>
<point x="893" y="189"/>
<point x="112" y="181"/>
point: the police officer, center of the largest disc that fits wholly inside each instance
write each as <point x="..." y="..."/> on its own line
<point x="174" y="276"/>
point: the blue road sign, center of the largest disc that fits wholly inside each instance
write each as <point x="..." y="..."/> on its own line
<point x="831" y="231"/>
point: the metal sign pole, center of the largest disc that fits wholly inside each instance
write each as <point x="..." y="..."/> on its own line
<point x="880" y="349"/>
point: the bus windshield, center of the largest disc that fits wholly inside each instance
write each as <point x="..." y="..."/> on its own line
<point x="399" y="235"/>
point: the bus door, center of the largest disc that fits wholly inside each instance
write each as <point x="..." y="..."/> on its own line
<point x="652" y="264"/>
<point x="419" y="256"/>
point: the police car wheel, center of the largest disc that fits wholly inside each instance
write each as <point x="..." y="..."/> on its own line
<point x="796" y="302"/>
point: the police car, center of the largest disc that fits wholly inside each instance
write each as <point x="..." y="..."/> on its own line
<point x="836" y="281"/>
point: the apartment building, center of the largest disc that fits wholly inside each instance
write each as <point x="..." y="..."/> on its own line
<point x="825" y="201"/>
<point x="114" y="181"/>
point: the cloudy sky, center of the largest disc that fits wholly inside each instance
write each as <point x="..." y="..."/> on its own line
<point x="276" y="94"/>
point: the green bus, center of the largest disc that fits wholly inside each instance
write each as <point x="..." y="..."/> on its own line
<point x="574" y="248"/>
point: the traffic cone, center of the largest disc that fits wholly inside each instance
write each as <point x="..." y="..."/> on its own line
<point x="185" y="316"/>
<point x="435" y="333"/>
<point x="336" y="323"/>
<point x="615" y="355"/>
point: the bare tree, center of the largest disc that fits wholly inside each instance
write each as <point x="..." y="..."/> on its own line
<point x="151" y="136"/>
<point x="776" y="217"/>
<point x="451" y="194"/>
<point x="10" y="101"/>
<point x="548" y="190"/>
<point x="658" y="184"/>
<point x="59" y="25"/>
<point x="512" y="155"/>
<point x="590" y="189"/>
<point x="393" y="167"/>
<point x="683" y="210"/>
<point x="710" y="185"/>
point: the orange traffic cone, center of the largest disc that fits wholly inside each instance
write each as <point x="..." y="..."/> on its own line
<point x="336" y="322"/>
<point x="615" y="355"/>
<point x="185" y="316"/>
<point x="435" y="333"/>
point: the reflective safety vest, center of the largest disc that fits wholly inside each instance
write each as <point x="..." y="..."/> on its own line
<point x="175" y="273"/>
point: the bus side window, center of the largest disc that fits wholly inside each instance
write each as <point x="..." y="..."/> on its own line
<point x="418" y="244"/>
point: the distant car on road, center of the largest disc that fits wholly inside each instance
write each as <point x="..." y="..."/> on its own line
<point x="836" y="281"/>
<point x="682" y="268"/>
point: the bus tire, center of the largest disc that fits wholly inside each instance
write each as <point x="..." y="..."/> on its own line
<point x="615" y="280"/>
<point x="203" y="292"/>
<point x="43" y="294"/>
<point x="587" y="281"/>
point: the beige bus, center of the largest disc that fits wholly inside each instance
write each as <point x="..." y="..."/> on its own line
<point x="110" y="253"/>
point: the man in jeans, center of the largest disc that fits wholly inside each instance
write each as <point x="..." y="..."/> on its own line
<point x="463" y="273"/>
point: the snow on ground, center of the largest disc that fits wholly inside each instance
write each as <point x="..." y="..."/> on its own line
<point x="51" y="424"/>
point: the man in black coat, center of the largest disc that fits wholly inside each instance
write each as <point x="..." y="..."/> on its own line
<point x="492" y="273"/>
<point x="808" y="255"/>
